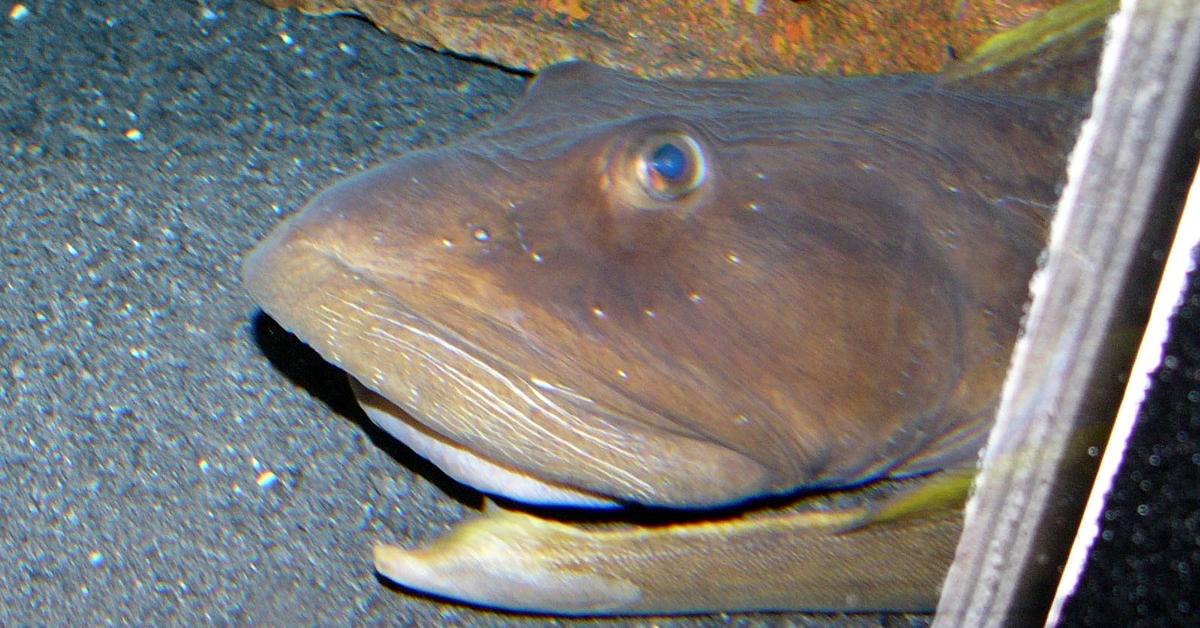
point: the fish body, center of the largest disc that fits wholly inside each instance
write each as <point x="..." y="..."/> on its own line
<point x="690" y="295"/>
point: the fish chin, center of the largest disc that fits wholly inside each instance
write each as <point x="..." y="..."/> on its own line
<point x="468" y="467"/>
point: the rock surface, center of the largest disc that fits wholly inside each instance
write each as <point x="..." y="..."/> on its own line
<point x="720" y="38"/>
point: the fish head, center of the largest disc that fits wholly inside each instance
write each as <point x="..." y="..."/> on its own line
<point x="684" y="305"/>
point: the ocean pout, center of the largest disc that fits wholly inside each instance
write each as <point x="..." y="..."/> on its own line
<point x="690" y="295"/>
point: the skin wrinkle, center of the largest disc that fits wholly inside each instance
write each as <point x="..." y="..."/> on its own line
<point x="490" y="411"/>
<point x="466" y="460"/>
<point x="511" y="415"/>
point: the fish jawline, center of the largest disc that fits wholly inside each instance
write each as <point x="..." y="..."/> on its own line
<point x="467" y="467"/>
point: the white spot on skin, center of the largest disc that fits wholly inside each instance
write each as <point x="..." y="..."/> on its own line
<point x="448" y="243"/>
<point x="597" y="312"/>
<point x="481" y="235"/>
<point x="536" y="257"/>
<point x="733" y="258"/>
<point x="650" y="313"/>
<point x="622" y="374"/>
<point x="741" y="419"/>
<point x="753" y="206"/>
<point x="761" y="176"/>
<point x="695" y="297"/>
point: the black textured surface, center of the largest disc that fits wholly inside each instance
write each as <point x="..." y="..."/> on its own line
<point x="144" y="146"/>
<point x="1144" y="568"/>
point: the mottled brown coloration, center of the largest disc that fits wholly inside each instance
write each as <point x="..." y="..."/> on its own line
<point x="724" y="38"/>
<point x="833" y="303"/>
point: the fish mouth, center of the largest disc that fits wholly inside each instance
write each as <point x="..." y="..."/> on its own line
<point x="269" y="273"/>
<point x="494" y="424"/>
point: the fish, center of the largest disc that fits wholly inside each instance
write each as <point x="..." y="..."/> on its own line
<point x="775" y="312"/>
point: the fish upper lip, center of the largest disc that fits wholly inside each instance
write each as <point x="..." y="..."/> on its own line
<point x="364" y="277"/>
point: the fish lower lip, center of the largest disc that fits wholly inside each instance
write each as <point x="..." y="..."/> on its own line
<point x="466" y="466"/>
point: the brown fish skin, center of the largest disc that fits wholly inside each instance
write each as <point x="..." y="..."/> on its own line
<point x="832" y="302"/>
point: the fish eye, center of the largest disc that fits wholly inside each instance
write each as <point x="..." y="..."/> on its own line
<point x="670" y="165"/>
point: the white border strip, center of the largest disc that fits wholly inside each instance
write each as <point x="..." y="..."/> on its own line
<point x="1149" y="356"/>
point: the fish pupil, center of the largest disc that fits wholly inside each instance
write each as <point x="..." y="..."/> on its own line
<point x="669" y="161"/>
<point x="669" y="166"/>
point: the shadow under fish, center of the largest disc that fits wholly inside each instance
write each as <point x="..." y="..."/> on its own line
<point x="689" y="295"/>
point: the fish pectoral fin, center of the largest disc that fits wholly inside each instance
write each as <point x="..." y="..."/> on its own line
<point x="860" y="558"/>
<point x="946" y="491"/>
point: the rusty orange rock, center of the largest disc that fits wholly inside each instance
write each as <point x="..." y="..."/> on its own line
<point x="720" y="38"/>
